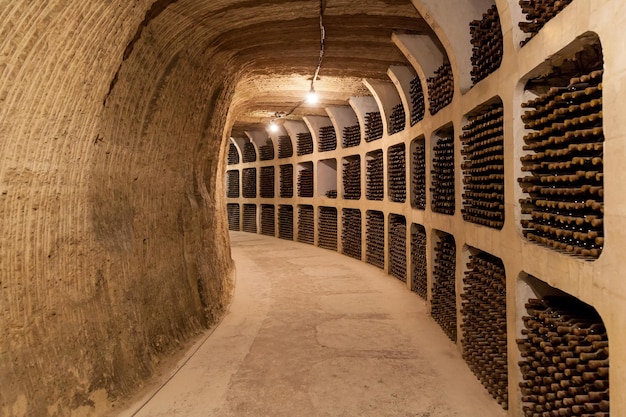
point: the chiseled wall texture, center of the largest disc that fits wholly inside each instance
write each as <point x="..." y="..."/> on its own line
<point x="113" y="243"/>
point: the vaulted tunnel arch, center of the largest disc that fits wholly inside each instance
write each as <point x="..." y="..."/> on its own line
<point x="115" y="126"/>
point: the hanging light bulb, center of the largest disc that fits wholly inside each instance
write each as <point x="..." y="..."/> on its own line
<point x="311" y="97"/>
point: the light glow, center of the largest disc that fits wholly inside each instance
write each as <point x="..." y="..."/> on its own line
<point x="312" y="97"/>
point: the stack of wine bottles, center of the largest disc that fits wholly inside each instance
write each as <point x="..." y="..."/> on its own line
<point x="397" y="246"/>
<point x="285" y="149"/>
<point x="483" y="168"/>
<point x="267" y="220"/>
<point x="443" y="291"/>
<point x="267" y="182"/>
<point x="397" y="120"/>
<point x="538" y="13"/>
<point x="440" y="88"/>
<point x="484" y="324"/>
<point x="351" y="233"/>
<point x="351" y="136"/>
<point x="375" y="187"/>
<point x="249" y="154"/>
<point x="417" y="101"/>
<point x="266" y="152"/>
<point x="331" y="194"/>
<point x="305" y="143"/>
<point x="233" y="217"/>
<point x="487" y="44"/>
<point x="232" y="184"/>
<point x="396" y="169"/>
<point x="442" y="189"/>
<point x="375" y="238"/>
<point x="305" y="182"/>
<point x="352" y="178"/>
<point x="418" y="177"/>
<point x="327" y="228"/>
<point x="564" y="204"/>
<point x="249" y="183"/>
<point x="328" y="139"/>
<point x="373" y="126"/>
<point x="565" y="366"/>
<point x="306" y="224"/>
<point x="419" y="272"/>
<point x="286" y="181"/>
<point x="249" y="218"/>
<point x="285" y="222"/>
<point x="233" y="155"/>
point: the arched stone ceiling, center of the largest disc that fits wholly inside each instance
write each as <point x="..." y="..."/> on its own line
<point x="274" y="45"/>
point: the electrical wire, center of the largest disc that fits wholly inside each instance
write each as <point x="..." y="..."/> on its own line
<point x="322" y="45"/>
<point x="317" y="68"/>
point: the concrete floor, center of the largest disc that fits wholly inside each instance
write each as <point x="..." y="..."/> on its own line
<point x="314" y="333"/>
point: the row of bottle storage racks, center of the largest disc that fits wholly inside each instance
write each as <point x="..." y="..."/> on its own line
<point x="563" y="345"/>
<point x="562" y="178"/>
<point x="482" y="198"/>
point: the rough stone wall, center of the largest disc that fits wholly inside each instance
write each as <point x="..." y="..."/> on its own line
<point x="113" y="245"/>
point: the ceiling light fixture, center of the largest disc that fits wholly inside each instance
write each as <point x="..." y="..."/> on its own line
<point x="312" y="97"/>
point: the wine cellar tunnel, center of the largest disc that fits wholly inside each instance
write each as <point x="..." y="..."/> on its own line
<point x="457" y="146"/>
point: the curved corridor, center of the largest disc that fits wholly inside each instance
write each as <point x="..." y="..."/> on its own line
<point x="313" y="333"/>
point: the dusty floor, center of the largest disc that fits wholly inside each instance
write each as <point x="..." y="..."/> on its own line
<point x="314" y="333"/>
